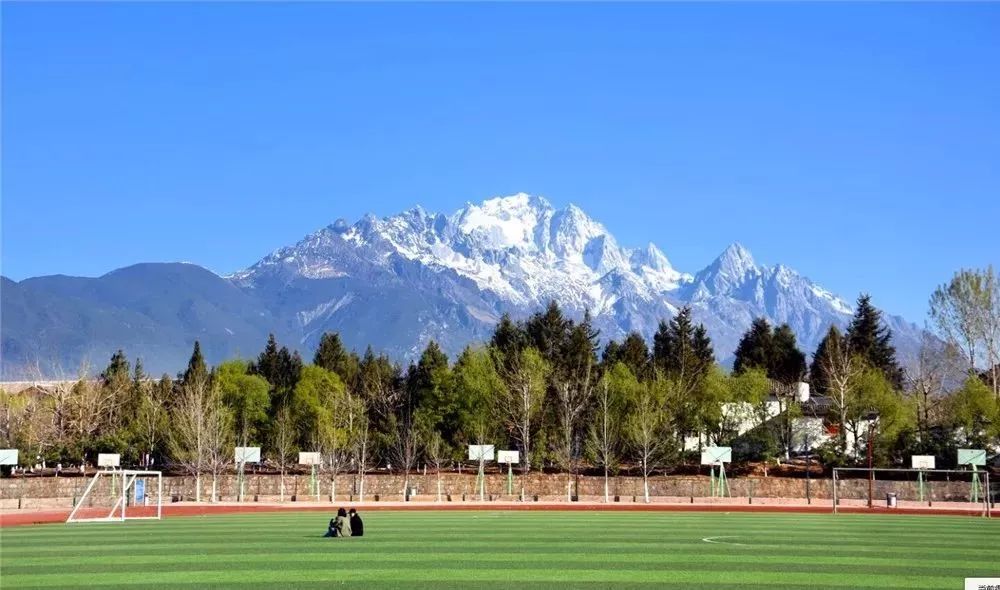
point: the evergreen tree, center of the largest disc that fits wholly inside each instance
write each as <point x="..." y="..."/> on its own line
<point x="118" y="369"/>
<point x="281" y="368"/>
<point x="197" y="371"/>
<point x="756" y="349"/>
<point x="788" y="363"/>
<point x="332" y="356"/>
<point x="547" y="332"/>
<point x="633" y="353"/>
<point x="819" y="382"/>
<point x="869" y="338"/>
<point x="682" y="350"/>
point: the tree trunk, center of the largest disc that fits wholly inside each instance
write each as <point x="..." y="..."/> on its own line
<point x="605" y="483"/>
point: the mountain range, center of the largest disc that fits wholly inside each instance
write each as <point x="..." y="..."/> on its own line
<point x="398" y="282"/>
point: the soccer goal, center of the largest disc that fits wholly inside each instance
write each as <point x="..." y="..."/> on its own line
<point x="950" y="489"/>
<point x="123" y="494"/>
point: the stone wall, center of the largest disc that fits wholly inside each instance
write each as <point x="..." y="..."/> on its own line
<point x="456" y="487"/>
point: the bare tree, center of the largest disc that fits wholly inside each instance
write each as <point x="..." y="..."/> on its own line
<point x="150" y="418"/>
<point x="362" y="443"/>
<point x="966" y="311"/>
<point x="189" y="437"/>
<point x="645" y="428"/>
<point x="521" y="402"/>
<point x="405" y="445"/>
<point x="935" y="369"/>
<point x="218" y="439"/>
<point x="283" y="443"/>
<point x="604" y="431"/>
<point x="434" y="449"/>
<point x="842" y="370"/>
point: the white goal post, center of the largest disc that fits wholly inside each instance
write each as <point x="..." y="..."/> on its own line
<point x="958" y="490"/>
<point x="128" y="496"/>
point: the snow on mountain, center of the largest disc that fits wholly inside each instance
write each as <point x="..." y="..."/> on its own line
<point x="513" y="254"/>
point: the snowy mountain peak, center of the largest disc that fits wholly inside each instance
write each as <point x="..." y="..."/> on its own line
<point x="736" y="260"/>
<point x="515" y="253"/>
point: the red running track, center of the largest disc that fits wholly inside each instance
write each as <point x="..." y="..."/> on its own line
<point x="17" y="518"/>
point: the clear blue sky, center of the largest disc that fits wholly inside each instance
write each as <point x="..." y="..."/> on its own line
<point x="856" y="143"/>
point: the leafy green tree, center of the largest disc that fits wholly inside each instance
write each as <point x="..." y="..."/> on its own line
<point x="975" y="412"/>
<point x="547" y="332"/>
<point x="246" y="397"/>
<point x="317" y="398"/>
<point x="478" y="387"/>
<point x="874" y="397"/>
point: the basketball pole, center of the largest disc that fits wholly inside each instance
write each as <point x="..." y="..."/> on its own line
<point x="510" y="478"/>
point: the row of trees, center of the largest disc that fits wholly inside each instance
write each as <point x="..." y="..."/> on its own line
<point x="542" y="386"/>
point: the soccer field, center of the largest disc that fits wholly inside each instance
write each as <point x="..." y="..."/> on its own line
<point x="509" y="550"/>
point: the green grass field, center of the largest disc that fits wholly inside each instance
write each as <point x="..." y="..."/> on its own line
<point x="508" y="550"/>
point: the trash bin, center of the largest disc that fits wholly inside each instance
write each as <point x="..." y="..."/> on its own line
<point x="890" y="500"/>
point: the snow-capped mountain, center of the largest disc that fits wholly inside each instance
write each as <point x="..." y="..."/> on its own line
<point x="396" y="283"/>
<point x="514" y="254"/>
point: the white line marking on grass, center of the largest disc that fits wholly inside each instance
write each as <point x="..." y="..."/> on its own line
<point x="713" y="540"/>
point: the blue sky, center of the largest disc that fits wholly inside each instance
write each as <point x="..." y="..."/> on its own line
<point x="856" y="143"/>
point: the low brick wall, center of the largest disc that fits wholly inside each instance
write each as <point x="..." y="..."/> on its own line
<point x="53" y="492"/>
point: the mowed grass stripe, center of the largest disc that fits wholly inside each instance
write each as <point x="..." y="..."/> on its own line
<point x="514" y="565"/>
<point x="513" y="549"/>
<point x="543" y="558"/>
<point x="340" y="572"/>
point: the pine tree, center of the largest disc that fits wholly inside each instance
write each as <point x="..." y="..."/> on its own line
<point x="774" y="351"/>
<point x="683" y="351"/>
<point x="332" y="356"/>
<point x="631" y="352"/>
<point x="833" y="341"/>
<point x="509" y="339"/>
<point x="197" y="371"/>
<point x="788" y="363"/>
<point x="547" y="332"/>
<point x="869" y="338"/>
<point x="756" y="349"/>
<point x="118" y="368"/>
<point x="281" y="368"/>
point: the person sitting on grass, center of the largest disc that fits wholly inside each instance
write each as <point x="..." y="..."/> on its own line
<point x="357" y="527"/>
<point x="342" y="524"/>
<point x="331" y="530"/>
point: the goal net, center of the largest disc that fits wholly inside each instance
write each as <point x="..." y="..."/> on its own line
<point x="945" y="489"/>
<point x="119" y="495"/>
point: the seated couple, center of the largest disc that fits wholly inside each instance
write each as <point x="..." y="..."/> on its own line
<point x="346" y="525"/>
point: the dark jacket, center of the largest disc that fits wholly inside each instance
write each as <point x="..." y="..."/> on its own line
<point x="357" y="527"/>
